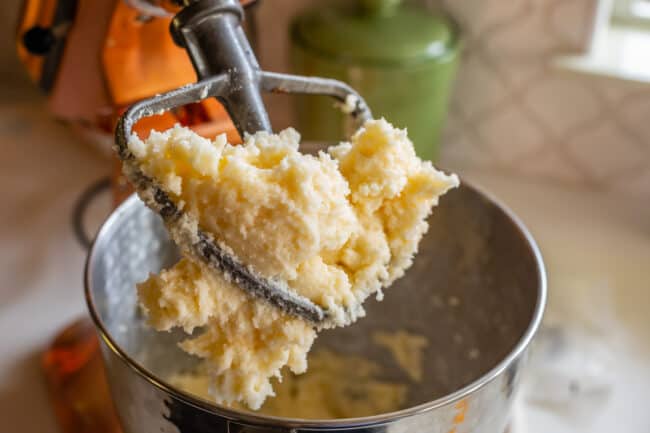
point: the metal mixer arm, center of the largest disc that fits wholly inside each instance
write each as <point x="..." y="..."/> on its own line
<point x="286" y="83"/>
<point x="210" y="87"/>
<point x="211" y="33"/>
<point x="218" y="86"/>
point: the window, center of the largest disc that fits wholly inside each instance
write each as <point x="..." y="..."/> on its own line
<point x="620" y="46"/>
<point x="631" y="12"/>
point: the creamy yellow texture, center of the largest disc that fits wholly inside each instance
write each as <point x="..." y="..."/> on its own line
<point x="337" y="227"/>
<point x="406" y="348"/>
<point x="246" y="342"/>
<point x="335" y="386"/>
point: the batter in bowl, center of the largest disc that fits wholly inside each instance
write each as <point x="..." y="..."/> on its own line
<point x="336" y="386"/>
<point x="336" y="228"/>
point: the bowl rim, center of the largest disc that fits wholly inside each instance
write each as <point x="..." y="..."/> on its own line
<point x="252" y="418"/>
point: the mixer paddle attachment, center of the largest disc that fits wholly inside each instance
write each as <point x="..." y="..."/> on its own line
<point x="211" y="33"/>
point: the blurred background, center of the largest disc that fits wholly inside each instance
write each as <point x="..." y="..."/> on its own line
<point x="545" y="89"/>
<point x="545" y="103"/>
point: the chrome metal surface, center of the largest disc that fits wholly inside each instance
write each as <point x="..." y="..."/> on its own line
<point x="211" y="33"/>
<point x="476" y="290"/>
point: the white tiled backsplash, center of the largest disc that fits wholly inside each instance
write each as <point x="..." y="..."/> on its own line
<point x="512" y="110"/>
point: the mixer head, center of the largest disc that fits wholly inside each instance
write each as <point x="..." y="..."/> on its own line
<point x="211" y="33"/>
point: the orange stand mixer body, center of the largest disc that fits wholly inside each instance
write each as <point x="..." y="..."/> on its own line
<point x="93" y="58"/>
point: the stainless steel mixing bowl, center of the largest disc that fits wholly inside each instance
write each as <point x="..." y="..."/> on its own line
<point x="476" y="290"/>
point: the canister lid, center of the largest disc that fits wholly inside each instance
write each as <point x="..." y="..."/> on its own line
<point x="375" y="31"/>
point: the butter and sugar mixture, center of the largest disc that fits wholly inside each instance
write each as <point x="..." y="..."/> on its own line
<point x="336" y="227"/>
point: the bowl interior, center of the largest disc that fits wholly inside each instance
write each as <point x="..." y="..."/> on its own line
<point x="472" y="292"/>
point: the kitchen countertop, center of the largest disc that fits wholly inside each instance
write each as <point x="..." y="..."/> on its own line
<point x="590" y="369"/>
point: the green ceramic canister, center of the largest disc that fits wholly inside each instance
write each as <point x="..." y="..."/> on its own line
<point x="401" y="58"/>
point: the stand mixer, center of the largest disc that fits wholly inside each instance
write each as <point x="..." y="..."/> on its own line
<point x="459" y="393"/>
